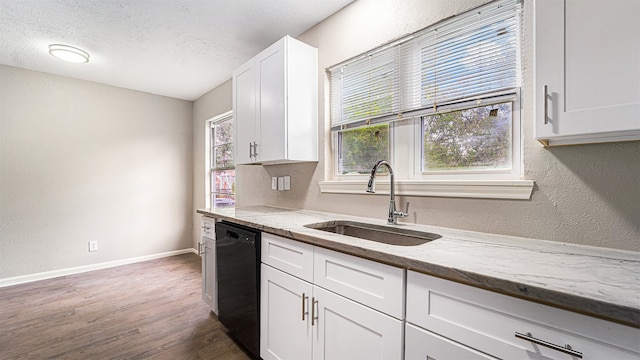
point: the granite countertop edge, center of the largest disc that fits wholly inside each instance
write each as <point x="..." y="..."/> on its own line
<point x="613" y="293"/>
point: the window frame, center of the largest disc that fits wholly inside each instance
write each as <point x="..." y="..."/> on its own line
<point x="514" y="173"/>
<point x="210" y="169"/>
<point x="336" y="156"/>
<point x="406" y="136"/>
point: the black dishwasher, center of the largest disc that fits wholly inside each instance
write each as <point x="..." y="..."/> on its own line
<point x="238" y="265"/>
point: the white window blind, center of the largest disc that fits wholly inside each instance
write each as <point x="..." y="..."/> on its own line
<point x="447" y="65"/>
<point x="364" y="88"/>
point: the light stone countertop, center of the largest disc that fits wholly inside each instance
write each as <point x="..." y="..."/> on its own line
<point x="595" y="281"/>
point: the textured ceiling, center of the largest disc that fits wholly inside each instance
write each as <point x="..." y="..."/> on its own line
<point x="176" y="48"/>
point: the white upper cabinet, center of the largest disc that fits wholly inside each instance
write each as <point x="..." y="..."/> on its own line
<point x="275" y="105"/>
<point x="245" y="125"/>
<point x="587" y="71"/>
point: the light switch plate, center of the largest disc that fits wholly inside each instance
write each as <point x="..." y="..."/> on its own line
<point x="274" y="183"/>
<point x="287" y="182"/>
<point x="280" y="183"/>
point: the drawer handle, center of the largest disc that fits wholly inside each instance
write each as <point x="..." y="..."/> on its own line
<point x="565" y="349"/>
<point x="314" y="318"/>
<point x="304" y="301"/>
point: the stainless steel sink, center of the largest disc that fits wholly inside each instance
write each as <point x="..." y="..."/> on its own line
<point x="383" y="234"/>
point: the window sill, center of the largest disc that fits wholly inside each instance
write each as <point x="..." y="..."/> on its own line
<point x="483" y="189"/>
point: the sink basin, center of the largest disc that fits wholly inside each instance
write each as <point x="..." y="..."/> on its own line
<point x="378" y="233"/>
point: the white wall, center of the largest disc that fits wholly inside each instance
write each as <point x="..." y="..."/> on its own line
<point x="82" y="161"/>
<point x="215" y="102"/>
<point x="585" y="194"/>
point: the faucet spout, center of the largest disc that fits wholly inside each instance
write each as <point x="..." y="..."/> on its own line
<point x="371" y="188"/>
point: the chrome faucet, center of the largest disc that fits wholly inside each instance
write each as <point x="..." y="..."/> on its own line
<point x="371" y="188"/>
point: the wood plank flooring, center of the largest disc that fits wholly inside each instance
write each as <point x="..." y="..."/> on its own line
<point x="147" y="310"/>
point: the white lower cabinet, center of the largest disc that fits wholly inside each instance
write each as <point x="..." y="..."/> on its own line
<point x="345" y="329"/>
<point x="421" y="344"/>
<point x="300" y="320"/>
<point x="285" y="326"/>
<point x="321" y="304"/>
<point x="511" y="328"/>
<point x="209" y="283"/>
<point x="207" y="250"/>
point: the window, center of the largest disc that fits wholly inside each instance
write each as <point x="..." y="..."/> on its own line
<point x="478" y="138"/>
<point x="221" y="174"/>
<point x="455" y="85"/>
<point x="359" y="148"/>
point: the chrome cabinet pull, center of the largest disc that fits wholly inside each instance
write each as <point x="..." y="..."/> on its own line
<point x="250" y="150"/>
<point x="304" y="298"/>
<point x="314" y="318"/>
<point x="565" y="349"/>
<point x="200" y="247"/>
<point x="546" y="104"/>
<point x="255" y="149"/>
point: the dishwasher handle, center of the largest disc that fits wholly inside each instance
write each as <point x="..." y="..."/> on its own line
<point x="241" y="238"/>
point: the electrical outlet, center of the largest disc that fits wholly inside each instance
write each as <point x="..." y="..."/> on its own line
<point x="93" y="245"/>
<point x="287" y="182"/>
<point x="280" y="183"/>
<point x="274" y="183"/>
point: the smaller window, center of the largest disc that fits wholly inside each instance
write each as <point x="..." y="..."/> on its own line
<point x="222" y="174"/>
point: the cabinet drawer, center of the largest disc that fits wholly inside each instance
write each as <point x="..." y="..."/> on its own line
<point x="207" y="227"/>
<point x="376" y="285"/>
<point x="290" y="256"/>
<point x="488" y="321"/>
<point x="421" y="344"/>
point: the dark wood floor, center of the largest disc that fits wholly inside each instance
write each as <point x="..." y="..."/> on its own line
<point x="148" y="310"/>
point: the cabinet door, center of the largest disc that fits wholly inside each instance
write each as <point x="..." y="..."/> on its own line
<point x="271" y="98"/>
<point x="245" y="127"/>
<point x="587" y="55"/>
<point x="345" y="329"/>
<point x="285" y="326"/>
<point x="421" y="344"/>
<point x="209" y="281"/>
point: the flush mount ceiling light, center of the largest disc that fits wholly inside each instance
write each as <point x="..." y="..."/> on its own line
<point x="69" y="53"/>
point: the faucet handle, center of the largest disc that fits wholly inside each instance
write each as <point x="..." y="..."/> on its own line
<point x="406" y="210"/>
<point x="399" y="214"/>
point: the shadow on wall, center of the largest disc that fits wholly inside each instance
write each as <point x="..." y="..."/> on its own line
<point x="611" y="171"/>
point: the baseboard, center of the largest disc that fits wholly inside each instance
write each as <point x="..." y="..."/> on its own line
<point x="80" y="269"/>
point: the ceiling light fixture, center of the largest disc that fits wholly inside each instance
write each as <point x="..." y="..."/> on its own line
<point x="69" y="53"/>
